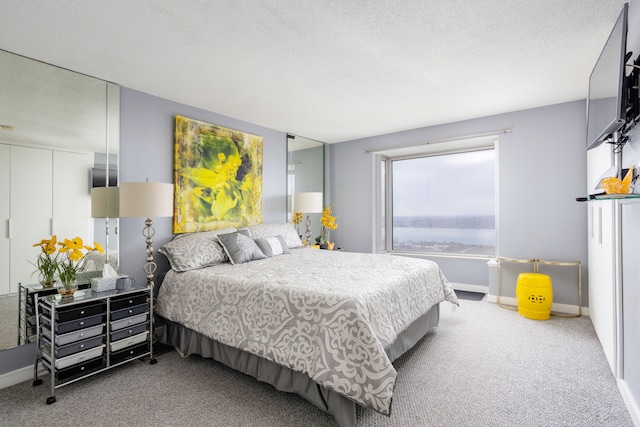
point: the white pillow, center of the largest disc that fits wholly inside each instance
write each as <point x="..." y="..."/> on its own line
<point x="272" y="246"/>
<point x="285" y="229"/>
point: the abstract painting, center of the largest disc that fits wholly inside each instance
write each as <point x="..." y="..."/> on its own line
<point x="217" y="176"/>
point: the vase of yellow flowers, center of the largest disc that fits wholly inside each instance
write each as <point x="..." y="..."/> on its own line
<point x="68" y="267"/>
<point x="328" y="222"/>
<point x="47" y="262"/>
<point x="296" y="218"/>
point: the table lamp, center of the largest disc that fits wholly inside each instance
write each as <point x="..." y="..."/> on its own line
<point x="146" y="200"/>
<point x="308" y="203"/>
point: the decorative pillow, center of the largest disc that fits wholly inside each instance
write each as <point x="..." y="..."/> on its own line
<point x="195" y="250"/>
<point x="272" y="246"/>
<point x="240" y="247"/>
<point x="286" y="230"/>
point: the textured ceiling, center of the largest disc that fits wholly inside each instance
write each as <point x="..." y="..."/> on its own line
<point x="330" y="70"/>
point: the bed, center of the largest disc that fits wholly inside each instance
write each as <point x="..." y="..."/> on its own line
<point x="326" y="325"/>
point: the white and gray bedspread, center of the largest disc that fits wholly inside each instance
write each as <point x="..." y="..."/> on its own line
<point x="325" y="313"/>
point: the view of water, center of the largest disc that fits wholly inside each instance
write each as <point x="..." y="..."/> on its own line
<point x="464" y="236"/>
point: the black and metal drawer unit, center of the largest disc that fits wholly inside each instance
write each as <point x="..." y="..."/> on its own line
<point x="92" y="332"/>
<point x="27" y="297"/>
<point x="129" y="333"/>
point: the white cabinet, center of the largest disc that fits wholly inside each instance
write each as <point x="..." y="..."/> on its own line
<point x="602" y="275"/>
<point x="42" y="192"/>
<point x="31" y="210"/>
<point x="5" y="161"/>
<point x="71" y="196"/>
<point x="604" y="258"/>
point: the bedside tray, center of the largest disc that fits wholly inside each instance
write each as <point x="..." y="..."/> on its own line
<point x="128" y="321"/>
<point x="75" y="335"/>
<point x="76" y="358"/>
<point x="126" y="342"/>
<point x="74" y="347"/>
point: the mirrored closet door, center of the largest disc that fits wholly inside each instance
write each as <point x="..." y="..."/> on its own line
<point x="59" y="134"/>
<point x="305" y="173"/>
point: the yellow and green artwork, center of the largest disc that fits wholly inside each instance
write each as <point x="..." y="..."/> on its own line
<point x="217" y="176"/>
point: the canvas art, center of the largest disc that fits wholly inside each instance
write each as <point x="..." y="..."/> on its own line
<point x="217" y="176"/>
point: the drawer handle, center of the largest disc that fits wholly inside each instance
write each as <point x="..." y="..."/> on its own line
<point x="82" y="368"/>
<point x="81" y="323"/>
<point x="130" y="331"/>
<point x="81" y="345"/>
<point x="82" y="312"/>
<point x="130" y="301"/>
<point x="131" y="352"/>
<point x="81" y="358"/>
<point x="81" y="335"/>
<point x="130" y="311"/>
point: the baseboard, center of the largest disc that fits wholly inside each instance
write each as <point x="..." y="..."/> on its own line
<point x="19" y="375"/>
<point x="632" y="406"/>
<point x="470" y="288"/>
<point x="555" y="307"/>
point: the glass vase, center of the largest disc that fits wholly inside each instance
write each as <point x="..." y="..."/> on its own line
<point x="47" y="283"/>
<point x="67" y="289"/>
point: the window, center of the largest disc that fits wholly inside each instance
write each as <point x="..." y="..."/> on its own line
<point x="439" y="202"/>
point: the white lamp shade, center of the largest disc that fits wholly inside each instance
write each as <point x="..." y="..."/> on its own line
<point x="308" y="202"/>
<point x="146" y="199"/>
<point x="104" y="202"/>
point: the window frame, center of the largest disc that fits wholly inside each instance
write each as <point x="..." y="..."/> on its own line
<point x="385" y="222"/>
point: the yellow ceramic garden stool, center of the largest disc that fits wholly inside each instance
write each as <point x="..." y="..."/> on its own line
<point x="534" y="295"/>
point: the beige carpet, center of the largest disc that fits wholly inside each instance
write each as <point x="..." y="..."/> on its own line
<point x="484" y="366"/>
<point x="8" y="321"/>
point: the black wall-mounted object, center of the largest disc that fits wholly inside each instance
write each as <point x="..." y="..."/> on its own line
<point x="99" y="177"/>
<point x="607" y="98"/>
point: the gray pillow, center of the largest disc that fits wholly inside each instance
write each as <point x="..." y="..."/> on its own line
<point x="195" y="250"/>
<point x="240" y="247"/>
<point x="272" y="246"/>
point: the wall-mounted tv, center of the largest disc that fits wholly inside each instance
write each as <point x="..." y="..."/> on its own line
<point x="606" y="103"/>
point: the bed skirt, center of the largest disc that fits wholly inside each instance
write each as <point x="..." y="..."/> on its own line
<point x="188" y="342"/>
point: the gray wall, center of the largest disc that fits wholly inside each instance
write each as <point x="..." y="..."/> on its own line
<point x="146" y="151"/>
<point x="542" y="169"/>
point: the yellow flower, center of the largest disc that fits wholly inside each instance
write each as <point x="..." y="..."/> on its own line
<point x="328" y="222"/>
<point x="296" y="217"/>
<point x="47" y="262"/>
<point x="68" y="269"/>
<point x="75" y="255"/>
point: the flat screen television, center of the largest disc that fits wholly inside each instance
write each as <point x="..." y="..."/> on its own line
<point x="606" y="102"/>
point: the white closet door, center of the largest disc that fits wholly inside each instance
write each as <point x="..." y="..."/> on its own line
<point x="5" y="168"/>
<point x="72" y="196"/>
<point x="603" y="232"/>
<point x="31" y="209"/>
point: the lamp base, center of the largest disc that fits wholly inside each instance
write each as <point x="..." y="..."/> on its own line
<point x="150" y="266"/>
<point x="308" y="232"/>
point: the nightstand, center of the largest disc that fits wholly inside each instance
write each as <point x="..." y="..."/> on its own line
<point x="91" y="332"/>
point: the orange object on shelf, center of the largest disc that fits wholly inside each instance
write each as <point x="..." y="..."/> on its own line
<point x="613" y="185"/>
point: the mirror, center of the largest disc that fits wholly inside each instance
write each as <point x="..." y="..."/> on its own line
<point x="305" y="172"/>
<point x="59" y="134"/>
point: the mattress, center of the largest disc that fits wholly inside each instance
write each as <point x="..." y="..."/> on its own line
<point x="327" y="315"/>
